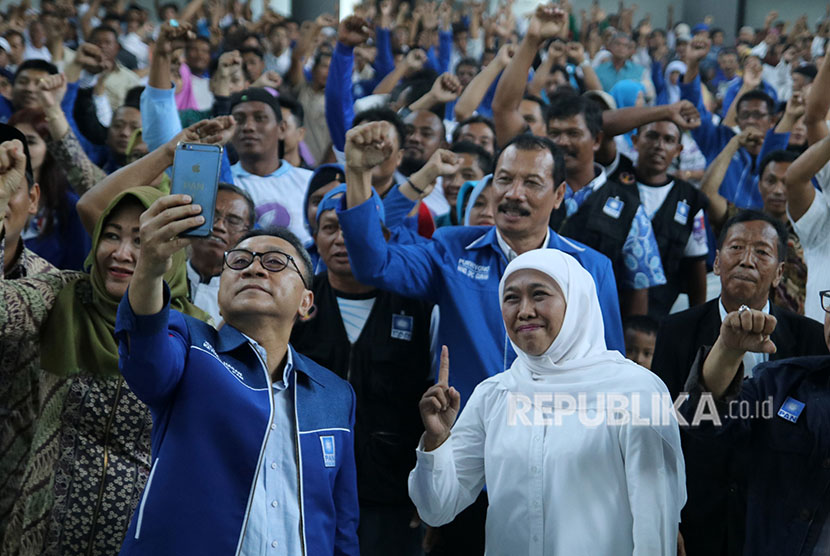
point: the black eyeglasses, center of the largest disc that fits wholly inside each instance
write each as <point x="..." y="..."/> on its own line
<point x="272" y="261"/>
<point x="825" y="300"/>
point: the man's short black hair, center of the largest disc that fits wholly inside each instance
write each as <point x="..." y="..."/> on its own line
<point x="714" y="31"/>
<point x="483" y="158"/>
<point x="776" y="156"/>
<point x="294" y="107"/>
<point x="224" y="186"/>
<point x="133" y="97"/>
<point x="382" y="115"/>
<point x="640" y="323"/>
<point x="251" y="50"/>
<point x="574" y="105"/>
<point x="459" y="27"/>
<point x="274" y="26"/>
<point x="285" y="234"/>
<point x="169" y="6"/>
<point x="676" y="125"/>
<point x="475" y="119"/>
<point x="809" y="71"/>
<point x="728" y="51"/>
<point x="752" y="216"/>
<point x="757" y="95"/>
<point x="560" y="69"/>
<point x="533" y="98"/>
<point x="468" y="61"/>
<point x="197" y="38"/>
<point x="528" y="142"/>
<point x="321" y="53"/>
<point x="104" y="29"/>
<point x="13" y="33"/>
<point x="39" y="65"/>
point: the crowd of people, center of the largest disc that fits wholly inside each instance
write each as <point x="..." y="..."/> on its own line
<point x="445" y="238"/>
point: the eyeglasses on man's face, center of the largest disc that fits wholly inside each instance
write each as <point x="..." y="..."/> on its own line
<point x="825" y="300"/>
<point x="272" y="261"/>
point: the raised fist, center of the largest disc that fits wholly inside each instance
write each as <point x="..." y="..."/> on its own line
<point x="369" y="144"/>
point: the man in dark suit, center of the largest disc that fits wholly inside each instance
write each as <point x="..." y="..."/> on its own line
<point x="752" y="247"/>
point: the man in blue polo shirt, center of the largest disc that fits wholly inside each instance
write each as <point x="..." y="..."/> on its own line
<point x="460" y="268"/>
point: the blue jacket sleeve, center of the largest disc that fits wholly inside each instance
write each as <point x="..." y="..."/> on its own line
<point x="609" y="304"/>
<point x="729" y="96"/>
<point x="773" y="142"/>
<point x="68" y="107"/>
<point x="396" y="207"/>
<point x="710" y="138"/>
<point x="338" y="94"/>
<point x="659" y="81"/>
<point x="384" y="62"/>
<point x="151" y="353"/>
<point x="159" y="117"/>
<point x="409" y="270"/>
<point x="346" y="501"/>
<point x="432" y="61"/>
<point x="444" y="51"/>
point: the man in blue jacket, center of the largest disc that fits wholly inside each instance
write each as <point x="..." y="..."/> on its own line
<point x="459" y="270"/>
<point x="253" y="447"/>
<point x="755" y="110"/>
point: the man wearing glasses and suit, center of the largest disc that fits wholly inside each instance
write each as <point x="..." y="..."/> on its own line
<point x="253" y="447"/>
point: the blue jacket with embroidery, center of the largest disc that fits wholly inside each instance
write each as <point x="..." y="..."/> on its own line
<point x="459" y="270"/>
<point x="210" y="397"/>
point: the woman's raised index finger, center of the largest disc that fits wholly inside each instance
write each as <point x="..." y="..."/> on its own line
<point x="444" y="369"/>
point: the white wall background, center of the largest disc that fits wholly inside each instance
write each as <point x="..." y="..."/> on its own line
<point x="757" y="10"/>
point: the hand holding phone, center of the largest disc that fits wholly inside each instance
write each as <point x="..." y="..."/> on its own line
<point x="196" y="173"/>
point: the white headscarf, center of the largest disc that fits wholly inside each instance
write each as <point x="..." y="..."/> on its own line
<point x="673" y="91"/>
<point x="581" y="339"/>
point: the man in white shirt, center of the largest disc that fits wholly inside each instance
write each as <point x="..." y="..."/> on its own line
<point x="278" y="58"/>
<point x="276" y="187"/>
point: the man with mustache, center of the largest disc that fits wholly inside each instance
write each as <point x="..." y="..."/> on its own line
<point x="675" y="208"/>
<point x="233" y="217"/>
<point x="461" y="265"/>
<point x="749" y="262"/>
<point x="603" y="214"/>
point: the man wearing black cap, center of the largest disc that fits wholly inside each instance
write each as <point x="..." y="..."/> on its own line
<point x="277" y="188"/>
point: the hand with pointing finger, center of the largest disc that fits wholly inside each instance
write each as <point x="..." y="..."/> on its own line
<point x="439" y="406"/>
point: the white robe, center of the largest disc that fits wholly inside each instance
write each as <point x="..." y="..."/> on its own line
<point x="556" y="484"/>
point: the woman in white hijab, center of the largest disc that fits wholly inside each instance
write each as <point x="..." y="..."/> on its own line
<point x="565" y="474"/>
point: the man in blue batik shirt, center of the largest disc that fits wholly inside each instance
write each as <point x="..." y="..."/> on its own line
<point x="601" y="213"/>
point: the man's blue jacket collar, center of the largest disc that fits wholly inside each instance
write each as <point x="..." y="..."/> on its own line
<point x="230" y="339"/>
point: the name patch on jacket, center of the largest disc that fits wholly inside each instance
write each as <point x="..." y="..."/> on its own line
<point x="791" y="409"/>
<point x="613" y="207"/>
<point x="681" y="213"/>
<point x="402" y="327"/>
<point x="327" y="442"/>
<point x="473" y="270"/>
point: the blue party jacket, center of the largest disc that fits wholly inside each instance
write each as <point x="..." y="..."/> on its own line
<point x="459" y="270"/>
<point x="210" y="398"/>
